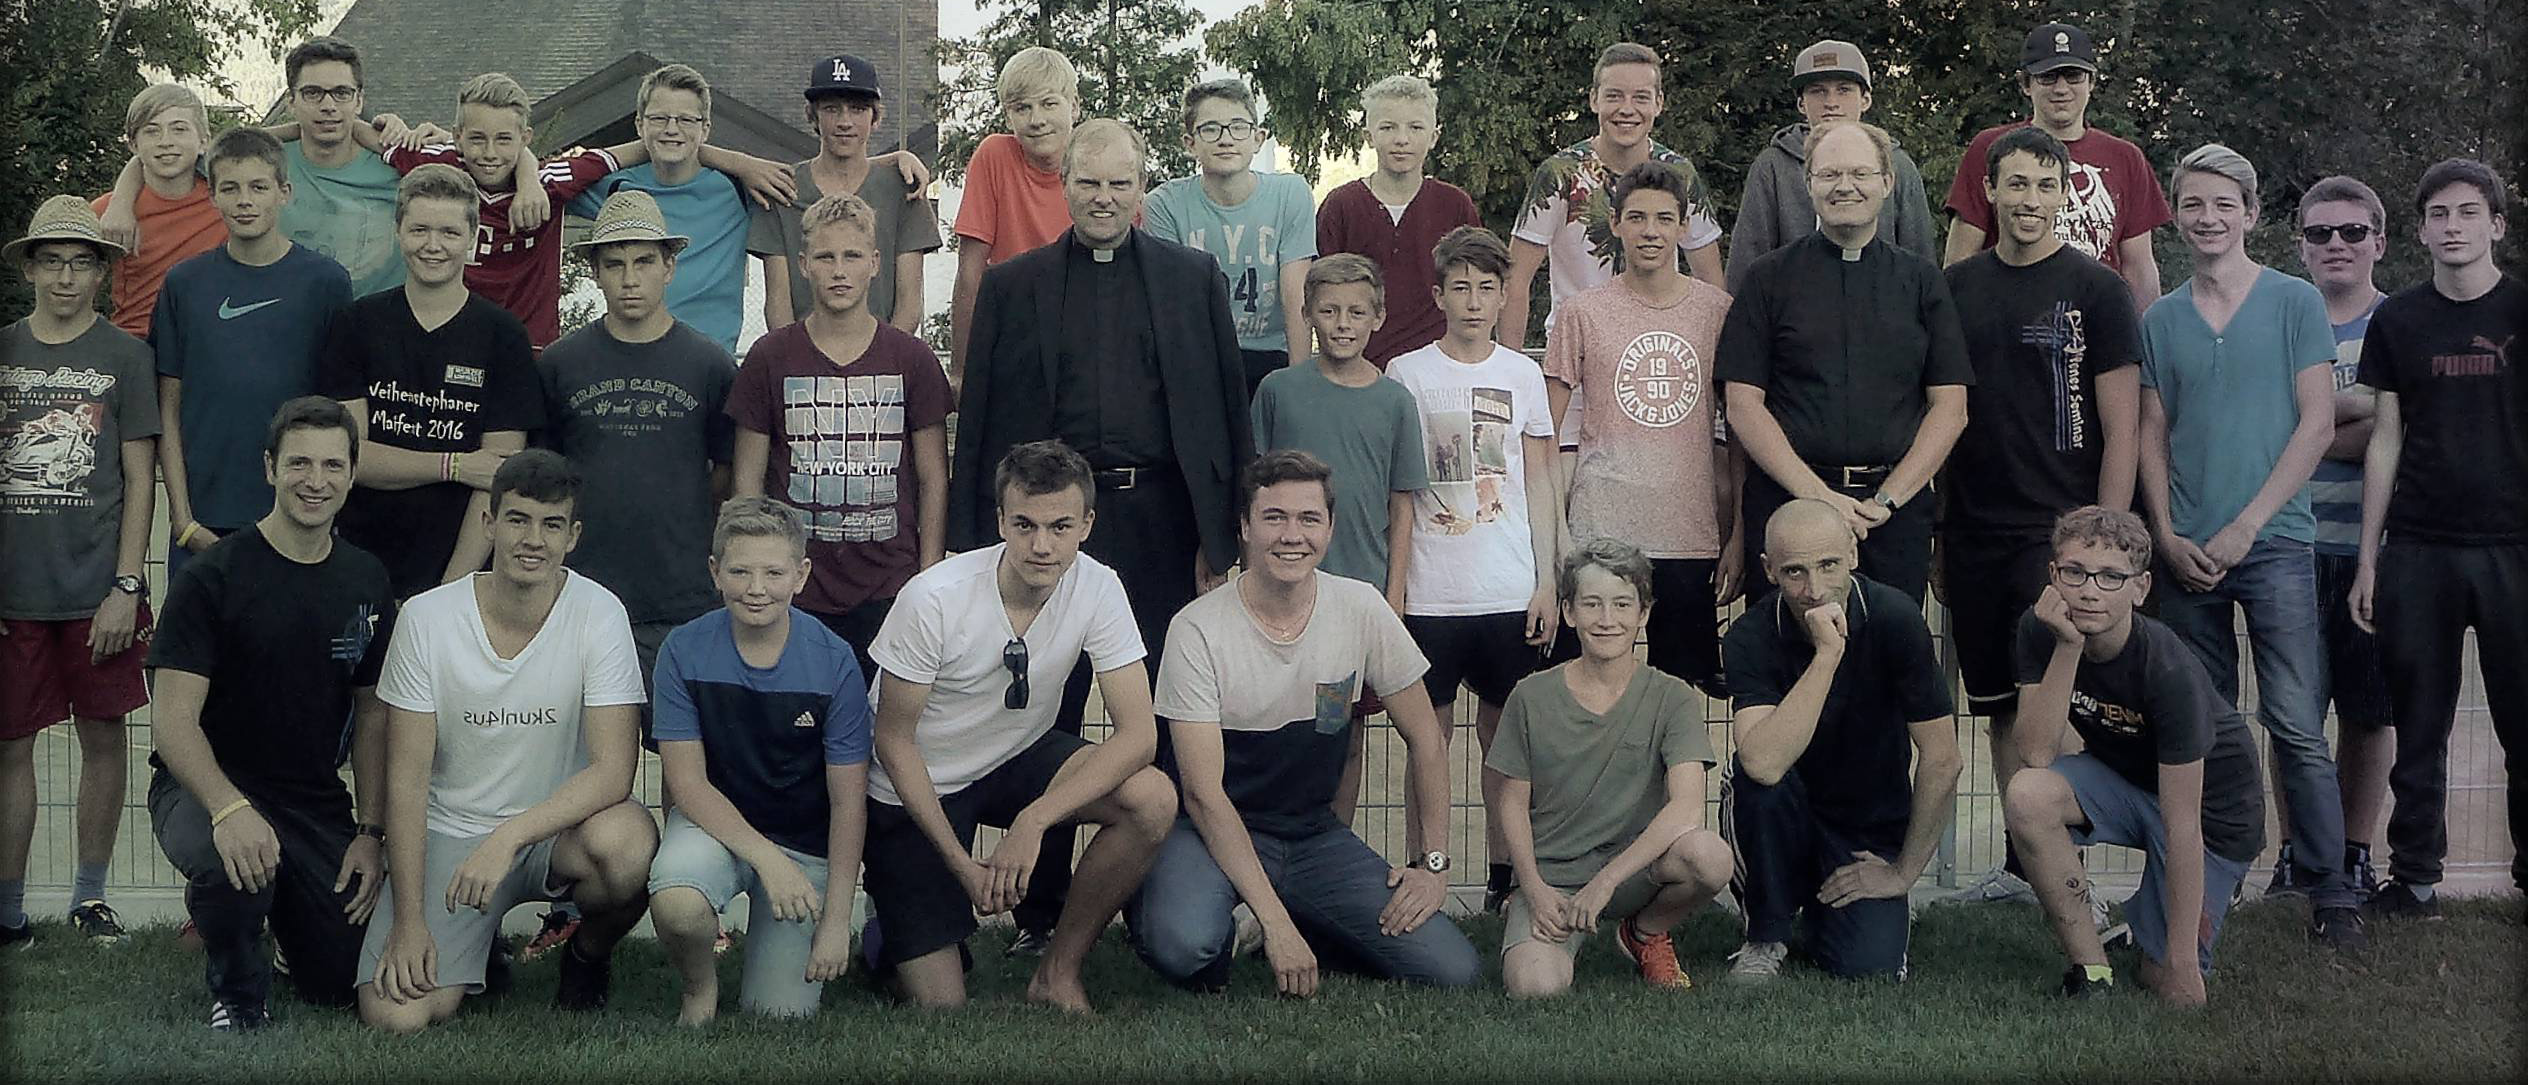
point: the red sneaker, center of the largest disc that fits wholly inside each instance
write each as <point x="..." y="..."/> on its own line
<point x="558" y="928"/>
<point x="1653" y="955"/>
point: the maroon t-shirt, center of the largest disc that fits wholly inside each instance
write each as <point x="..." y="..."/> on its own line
<point x="1352" y="220"/>
<point x="2114" y="194"/>
<point x="842" y="453"/>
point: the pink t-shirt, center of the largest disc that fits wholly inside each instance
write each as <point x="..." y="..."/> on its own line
<point x="1010" y="204"/>
<point x="1650" y="424"/>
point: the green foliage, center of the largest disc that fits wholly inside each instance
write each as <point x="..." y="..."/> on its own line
<point x="1130" y="63"/>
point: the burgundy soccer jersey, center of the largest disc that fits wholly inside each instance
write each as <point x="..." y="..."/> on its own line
<point x="519" y="271"/>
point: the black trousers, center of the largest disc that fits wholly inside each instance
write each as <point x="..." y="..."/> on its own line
<point x="1896" y="553"/>
<point x="1785" y="855"/>
<point x="2427" y="596"/>
<point x="1147" y="535"/>
<point x="305" y="913"/>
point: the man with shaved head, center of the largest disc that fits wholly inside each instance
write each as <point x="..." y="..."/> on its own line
<point x="1831" y="675"/>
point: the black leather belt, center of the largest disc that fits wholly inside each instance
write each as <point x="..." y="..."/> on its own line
<point x="1123" y="478"/>
<point x="1853" y="478"/>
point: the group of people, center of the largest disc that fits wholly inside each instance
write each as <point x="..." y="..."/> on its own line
<point x="1332" y="484"/>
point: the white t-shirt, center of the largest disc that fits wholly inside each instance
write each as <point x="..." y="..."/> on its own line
<point x="508" y="728"/>
<point x="947" y="630"/>
<point x="1471" y="552"/>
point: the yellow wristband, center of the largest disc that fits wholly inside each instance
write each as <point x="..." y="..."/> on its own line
<point x="225" y="811"/>
<point x="185" y="537"/>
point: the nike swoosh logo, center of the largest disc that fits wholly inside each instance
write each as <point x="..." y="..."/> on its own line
<point x="232" y="312"/>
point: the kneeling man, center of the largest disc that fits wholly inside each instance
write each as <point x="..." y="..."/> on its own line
<point x="1599" y="792"/>
<point x="1257" y="687"/>
<point x="2169" y="766"/>
<point x="513" y="727"/>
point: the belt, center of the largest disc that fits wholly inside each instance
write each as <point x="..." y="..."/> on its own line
<point x="1853" y="478"/>
<point x="1124" y="478"/>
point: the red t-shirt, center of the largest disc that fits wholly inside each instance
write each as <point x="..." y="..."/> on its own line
<point x="2114" y="194"/>
<point x="842" y="453"/>
<point x="1352" y="220"/>
<point x="520" y="272"/>
<point x="171" y="232"/>
<point x="1009" y="204"/>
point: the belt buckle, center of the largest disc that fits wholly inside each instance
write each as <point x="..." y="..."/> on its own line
<point x="1131" y="477"/>
<point x="1849" y="481"/>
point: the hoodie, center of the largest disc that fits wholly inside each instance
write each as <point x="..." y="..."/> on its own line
<point x="1774" y="211"/>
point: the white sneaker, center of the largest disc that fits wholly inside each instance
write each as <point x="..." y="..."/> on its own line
<point x="1250" y="936"/>
<point x="1756" y="962"/>
<point x="1996" y="887"/>
<point x="2097" y="909"/>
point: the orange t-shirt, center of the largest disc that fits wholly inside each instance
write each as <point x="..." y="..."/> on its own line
<point x="171" y="232"/>
<point x="1009" y="204"/>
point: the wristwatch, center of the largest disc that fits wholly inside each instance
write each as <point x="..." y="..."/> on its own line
<point x="374" y="832"/>
<point x="1884" y="501"/>
<point x="130" y="585"/>
<point x="1434" y="861"/>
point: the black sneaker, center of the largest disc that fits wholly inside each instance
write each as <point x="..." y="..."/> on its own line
<point x="95" y="920"/>
<point x="2397" y="900"/>
<point x="584" y="981"/>
<point x="2340" y="928"/>
<point x="2287" y="880"/>
<point x="238" y="1018"/>
<point x="1496" y="899"/>
<point x="2078" y="985"/>
<point x="21" y="936"/>
<point x="1029" y="944"/>
<point x="498" y="975"/>
<point x="2364" y="877"/>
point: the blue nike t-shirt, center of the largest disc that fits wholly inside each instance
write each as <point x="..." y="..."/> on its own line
<point x="767" y="733"/>
<point x="243" y="340"/>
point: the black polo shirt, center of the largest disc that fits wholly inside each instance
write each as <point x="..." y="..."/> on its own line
<point x="1844" y="349"/>
<point x="1108" y="400"/>
<point x="1858" y="765"/>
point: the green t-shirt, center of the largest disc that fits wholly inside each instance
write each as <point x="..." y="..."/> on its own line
<point x="1372" y="438"/>
<point x="347" y="212"/>
<point x="1596" y="780"/>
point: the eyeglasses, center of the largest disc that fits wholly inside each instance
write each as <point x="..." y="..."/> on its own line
<point x="2073" y="576"/>
<point x="2354" y="233"/>
<point x="680" y="120"/>
<point x="2073" y="76"/>
<point x="1864" y="176"/>
<point x="1211" y="131"/>
<point x="1014" y="657"/>
<point x="313" y="94"/>
<point x="50" y="263"/>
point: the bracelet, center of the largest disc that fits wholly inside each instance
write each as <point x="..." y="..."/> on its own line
<point x="185" y="537"/>
<point x="447" y="467"/>
<point x="227" y="810"/>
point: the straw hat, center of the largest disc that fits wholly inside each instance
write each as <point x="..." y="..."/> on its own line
<point x="630" y="215"/>
<point x="62" y="218"/>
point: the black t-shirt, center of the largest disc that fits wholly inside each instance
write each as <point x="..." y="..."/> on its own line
<point x="1845" y="350"/>
<point x="2039" y="337"/>
<point x="283" y="644"/>
<point x="2462" y="476"/>
<point x="1858" y="765"/>
<point x="643" y="422"/>
<point x="429" y="391"/>
<point x="2153" y="705"/>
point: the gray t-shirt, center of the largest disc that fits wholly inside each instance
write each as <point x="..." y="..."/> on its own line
<point x="1370" y="436"/>
<point x="65" y="411"/>
<point x="1597" y="780"/>
<point x="903" y="226"/>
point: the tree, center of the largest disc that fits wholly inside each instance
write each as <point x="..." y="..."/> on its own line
<point x="1131" y="69"/>
<point x="65" y="84"/>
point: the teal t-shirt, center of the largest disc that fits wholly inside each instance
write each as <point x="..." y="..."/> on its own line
<point x="1277" y="225"/>
<point x="709" y="290"/>
<point x="348" y="213"/>
<point x="1371" y="437"/>
<point x="2231" y="400"/>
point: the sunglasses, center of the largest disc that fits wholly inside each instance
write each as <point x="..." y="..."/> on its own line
<point x="2354" y="233"/>
<point x="1014" y="657"/>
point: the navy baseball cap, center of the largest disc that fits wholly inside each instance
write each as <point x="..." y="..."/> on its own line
<point x="844" y="74"/>
<point x="2057" y="45"/>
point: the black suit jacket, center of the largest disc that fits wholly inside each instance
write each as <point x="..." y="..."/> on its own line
<point x="1010" y="385"/>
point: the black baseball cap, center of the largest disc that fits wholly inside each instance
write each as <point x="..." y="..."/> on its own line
<point x="2057" y="45"/>
<point x="843" y="74"/>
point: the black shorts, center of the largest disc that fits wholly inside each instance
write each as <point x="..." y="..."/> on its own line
<point x="1991" y="579"/>
<point x="920" y="904"/>
<point x="2355" y="677"/>
<point x="1487" y="652"/>
<point x="1684" y="628"/>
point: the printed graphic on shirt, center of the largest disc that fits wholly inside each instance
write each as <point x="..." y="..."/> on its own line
<point x="1659" y="379"/>
<point x="1470" y="456"/>
<point x="2482" y="358"/>
<point x="633" y="406"/>
<point x="2087" y="220"/>
<point x="49" y="445"/>
<point x="1334" y="703"/>
<point x="846" y="451"/>
<point x="2060" y="334"/>
<point x="1250" y="255"/>
<point x="1584" y="183"/>
<point x="426" y="415"/>
<point x="2090" y="712"/>
<point x="351" y="645"/>
<point x="2347" y="363"/>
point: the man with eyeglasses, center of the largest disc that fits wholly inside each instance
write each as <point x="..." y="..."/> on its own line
<point x="971" y="663"/>
<point x="342" y="195"/>
<point x="1844" y="367"/>
<point x="2166" y="764"/>
<point x="2114" y="199"/>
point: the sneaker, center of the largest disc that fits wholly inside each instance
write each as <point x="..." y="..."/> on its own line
<point x="2364" y="877"/>
<point x="2287" y="879"/>
<point x="1496" y="899"/>
<point x="21" y="936"/>
<point x="1249" y="935"/>
<point x="2097" y="910"/>
<point x="872" y="947"/>
<point x="584" y="981"/>
<point x="558" y="928"/>
<point x="238" y="1018"/>
<point x="2119" y="936"/>
<point x="2397" y="900"/>
<point x="498" y="975"/>
<point x="280" y="961"/>
<point x="2078" y="985"/>
<point x="2340" y="929"/>
<point x="1029" y="944"/>
<point x="1653" y="955"/>
<point x="1757" y="962"/>
<point x="720" y="945"/>
<point x="95" y="920"/>
<point x="1996" y="887"/>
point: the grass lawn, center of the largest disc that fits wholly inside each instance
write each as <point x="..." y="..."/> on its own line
<point x="2438" y="1001"/>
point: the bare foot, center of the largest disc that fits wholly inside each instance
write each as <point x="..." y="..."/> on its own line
<point x="1063" y="994"/>
<point x="694" y="1011"/>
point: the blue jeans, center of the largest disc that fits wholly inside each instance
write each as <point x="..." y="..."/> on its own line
<point x="1333" y="885"/>
<point x="2276" y="584"/>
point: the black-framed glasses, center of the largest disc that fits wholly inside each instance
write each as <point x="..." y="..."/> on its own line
<point x="2073" y="576"/>
<point x="1211" y="131"/>
<point x="2354" y="233"/>
<point x="1014" y="657"/>
<point x="53" y="263"/>
<point x="312" y="94"/>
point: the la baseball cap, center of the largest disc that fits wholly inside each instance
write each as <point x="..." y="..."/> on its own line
<point x="1830" y="59"/>
<point x="843" y="74"/>
<point x="2057" y="45"/>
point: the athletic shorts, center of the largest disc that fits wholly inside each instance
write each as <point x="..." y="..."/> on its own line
<point x="774" y="979"/>
<point x="1991" y="579"/>
<point x="1488" y="652"/>
<point x="2120" y="812"/>
<point x="464" y="936"/>
<point x="919" y="902"/>
<point x="1518" y="924"/>
<point x="46" y="676"/>
<point x="2356" y="678"/>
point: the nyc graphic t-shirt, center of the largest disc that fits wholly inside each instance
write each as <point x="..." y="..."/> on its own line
<point x="1274" y="226"/>
<point x="1471" y="551"/>
<point x="65" y="411"/>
